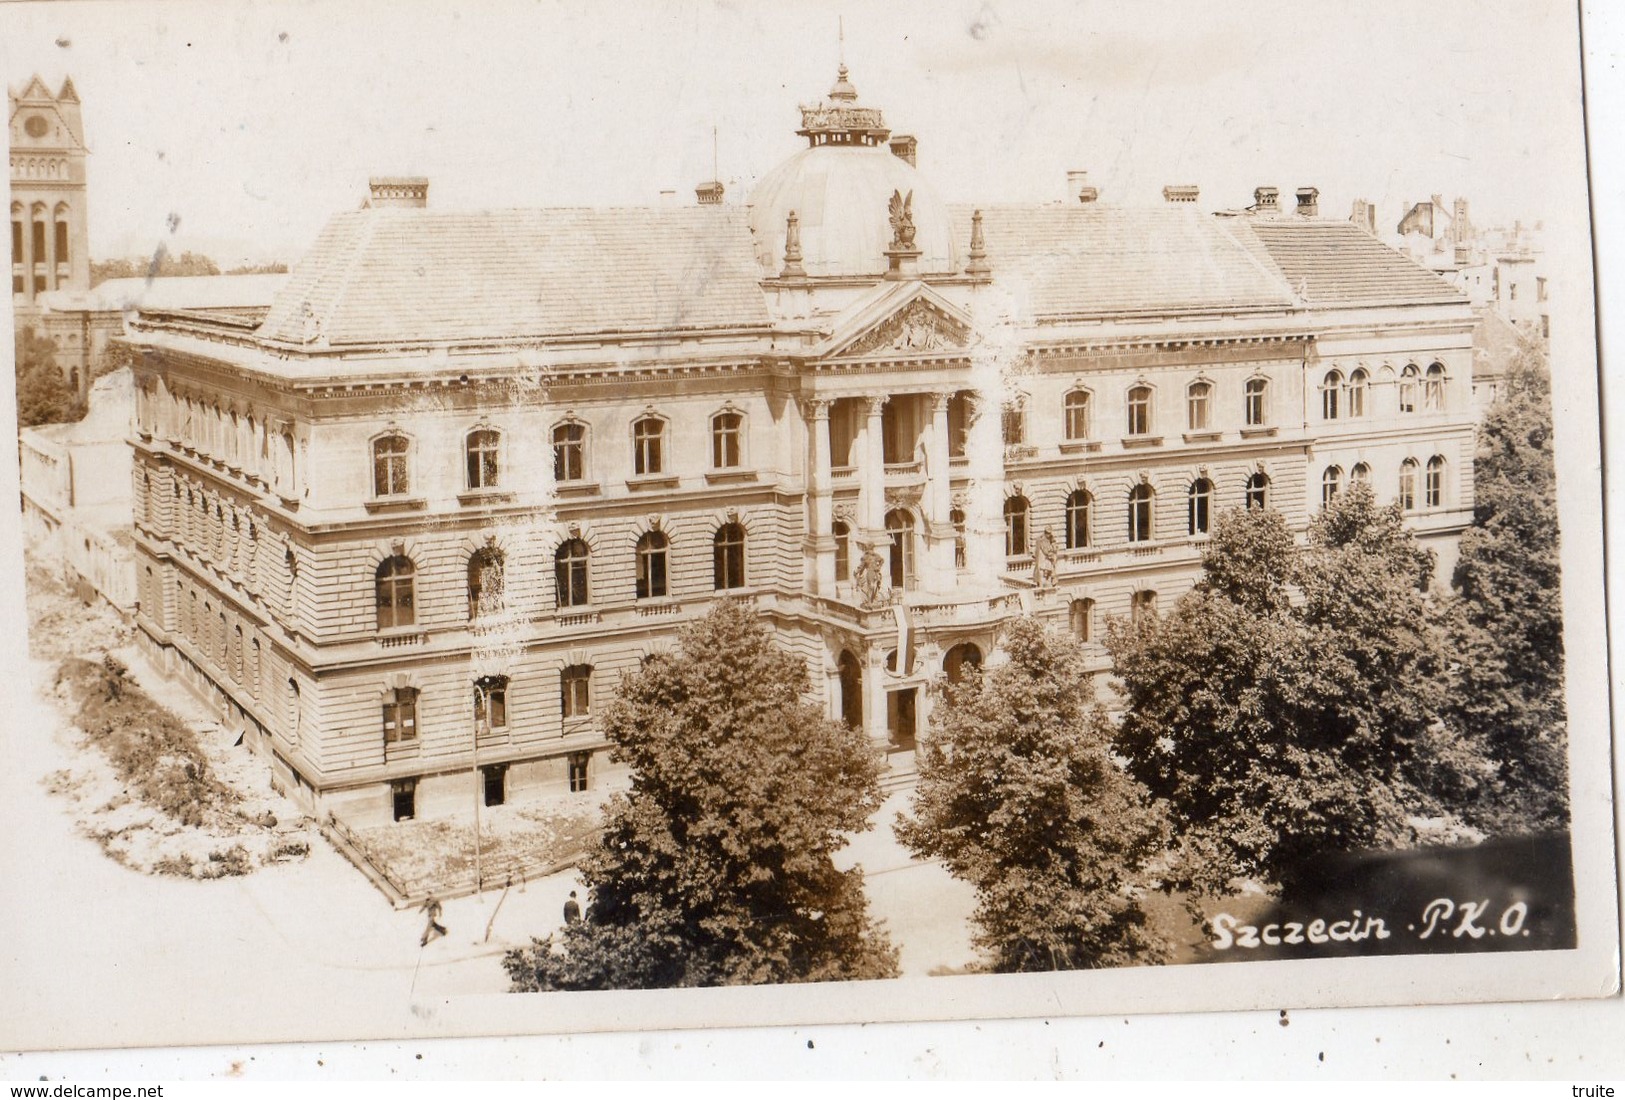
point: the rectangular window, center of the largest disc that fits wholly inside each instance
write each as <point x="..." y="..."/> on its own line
<point x="569" y="452"/>
<point x="1197" y="402"/>
<point x="495" y="783"/>
<point x="404" y="797"/>
<point x="401" y="716"/>
<point x="1077" y="415"/>
<point x="1256" y="392"/>
<point x="959" y="418"/>
<point x="647" y="456"/>
<point x="578" y="771"/>
<point x="1139" y="411"/>
<point x="725" y="450"/>
<point x="482" y="459"/>
<point x="575" y="691"/>
<point x="491" y="704"/>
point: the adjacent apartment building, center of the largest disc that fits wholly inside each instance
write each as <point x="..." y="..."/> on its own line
<point x="410" y="527"/>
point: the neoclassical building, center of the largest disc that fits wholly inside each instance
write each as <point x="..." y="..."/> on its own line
<point x="410" y="527"/>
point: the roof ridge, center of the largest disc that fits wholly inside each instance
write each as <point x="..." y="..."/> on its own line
<point x="1273" y="272"/>
<point x="369" y="229"/>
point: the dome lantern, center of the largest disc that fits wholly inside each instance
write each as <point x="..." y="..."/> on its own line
<point x="840" y="121"/>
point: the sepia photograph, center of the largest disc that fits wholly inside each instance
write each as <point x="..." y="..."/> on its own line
<point x="539" y="518"/>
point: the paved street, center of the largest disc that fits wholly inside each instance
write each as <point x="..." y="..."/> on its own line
<point x="98" y="954"/>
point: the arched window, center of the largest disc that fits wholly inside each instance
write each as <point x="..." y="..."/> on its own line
<point x="726" y="453"/>
<point x="393" y="583"/>
<point x="1143" y="606"/>
<point x="648" y="446"/>
<point x="1139" y="410"/>
<point x="1015" y="526"/>
<point x="1407" y="388"/>
<point x="651" y="555"/>
<point x="1359" y="381"/>
<point x="1140" y="525"/>
<point x="569" y="451"/>
<point x="900" y="526"/>
<point x="1077" y="415"/>
<point x="485" y="583"/>
<point x="850" y="674"/>
<point x="1407" y="485"/>
<point x="1199" y="506"/>
<point x="575" y="691"/>
<point x="296" y="714"/>
<point x="1360" y="475"/>
<point x="1331" y="483"/>
<point x="490" y="703"/>
<point x="1331" y="391"/>
<point x="964" y="657"/>
<point x="62" y="256"/>
<point x="1078" y="506"/>
<point x="1198" y="402"/>
<point x="1081" y="617"/>
<point x="389" y="466"/>
<point x="481" y="448"/>
<point x="1434" y="485"/>
<point x="1433" y="388"/>
<point x="843" y="550"/>
<point x="728" y="557"/>
<point x="956" y="517"/>
<point x="570" y="573"/>
<point x="1258" y="491"/>
<point x="1256" y="395"/>
<point x="254" y="666"/>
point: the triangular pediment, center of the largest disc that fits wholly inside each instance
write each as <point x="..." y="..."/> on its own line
<point x="904" y="321"/>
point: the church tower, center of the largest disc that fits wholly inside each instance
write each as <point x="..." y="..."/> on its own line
<point x="50" y="236"/>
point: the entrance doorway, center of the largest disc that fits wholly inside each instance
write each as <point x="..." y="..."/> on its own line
<point x="851" y="678"/>
<point x="900" y="719"/>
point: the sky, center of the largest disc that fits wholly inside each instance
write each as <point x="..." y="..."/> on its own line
<point x="238" y="128"/>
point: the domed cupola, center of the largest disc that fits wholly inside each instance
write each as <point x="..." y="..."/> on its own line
<point x="841" y="188"/>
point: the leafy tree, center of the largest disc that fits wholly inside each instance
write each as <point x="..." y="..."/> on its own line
<point x="273" y="268"/>
<point x="43" y="395"/>
<point x="1019" y="796"/>
<point x="1286" y="706"/>
<point x="715" y="868"/>
<point x="1506" y="627"/>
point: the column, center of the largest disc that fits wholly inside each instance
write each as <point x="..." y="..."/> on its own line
<point x="872" y="478"/>
<point x="876" y="699"/>
<point x="984" y="519"/>
<point x="820" y="539"/>
<point x="938" y="571"/>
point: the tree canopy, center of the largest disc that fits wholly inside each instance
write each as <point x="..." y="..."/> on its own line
<point x="1287" y="705"/>
<point x="1019" y="796"/>
<point x="43" y="395"/>
<point x="1506" y="626"/>
<point x="716" y="867"/>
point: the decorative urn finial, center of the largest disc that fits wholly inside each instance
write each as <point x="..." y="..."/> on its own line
<point x="978" y="266"/>
<point x="792" y="249"/>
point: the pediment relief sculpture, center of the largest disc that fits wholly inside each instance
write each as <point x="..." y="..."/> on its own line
<point x="914" y="328"/>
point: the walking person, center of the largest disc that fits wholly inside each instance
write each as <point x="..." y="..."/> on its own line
<point x="572" y="909"/>
<point x="431" y="907"/>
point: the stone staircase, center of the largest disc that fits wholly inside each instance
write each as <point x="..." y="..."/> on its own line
<point x="901" y="773"/>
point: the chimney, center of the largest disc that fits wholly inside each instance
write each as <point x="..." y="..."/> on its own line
<point x="1179" y="192"/>
<point x="1365" y="216"/>
<point x="709" y="193"/>
<point x="1266" y="199"/>
<point x="1077" y="186"/>
<point x="398" y="192"/>
<point x="1309" y="201"/>
<point x="904" y="147"/>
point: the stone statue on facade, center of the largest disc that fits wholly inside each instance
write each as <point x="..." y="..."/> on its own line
<point x="902" y="221"/>
<point x="867" y="579"/>
<point x="1046" y="554"/>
